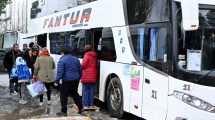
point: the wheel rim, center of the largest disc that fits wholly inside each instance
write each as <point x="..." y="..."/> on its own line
<point x="115" y="97"/>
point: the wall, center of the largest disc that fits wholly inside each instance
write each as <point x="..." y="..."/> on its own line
<point x="16" y="11"/>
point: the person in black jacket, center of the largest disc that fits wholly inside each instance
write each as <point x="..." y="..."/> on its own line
<point x="26" y="55"/>
<point x="30" y="57"/>
<point x="9" y="61"/>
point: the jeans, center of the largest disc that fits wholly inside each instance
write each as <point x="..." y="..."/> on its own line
<point x="23" y="90"/>
<point x="88" y="94"/>
<point x="70" y="88"/>
<point x="13" y="87"/>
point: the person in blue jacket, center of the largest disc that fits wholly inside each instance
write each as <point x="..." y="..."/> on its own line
<point x="70" y="71"/>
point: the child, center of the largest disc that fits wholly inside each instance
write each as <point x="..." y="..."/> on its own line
<point x="24" y="77"/>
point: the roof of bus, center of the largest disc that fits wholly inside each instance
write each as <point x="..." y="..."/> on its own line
<point x="98" y="14"/>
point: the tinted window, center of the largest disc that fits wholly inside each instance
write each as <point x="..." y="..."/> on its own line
<point x="108" y="52"/>
<point x="10" y="39"/>
<point x="74" y="40"/>
<point x="137" y="37"/>
<point x="157" y="44"/>
<point x="140" y="11"/>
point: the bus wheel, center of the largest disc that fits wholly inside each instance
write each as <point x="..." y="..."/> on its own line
<point x="115" y="98"/>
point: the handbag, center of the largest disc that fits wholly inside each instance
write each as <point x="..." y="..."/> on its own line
<point x="37" y="88"/>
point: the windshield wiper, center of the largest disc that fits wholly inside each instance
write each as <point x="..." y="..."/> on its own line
<point x="204" y="75"/>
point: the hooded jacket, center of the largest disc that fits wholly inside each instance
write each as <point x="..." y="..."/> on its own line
<point x="89" y="67"/>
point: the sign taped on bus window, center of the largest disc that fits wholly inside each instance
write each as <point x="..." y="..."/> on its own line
<point x="194" y="60"/>
<point x="135" y="78"/>
<point x="127" y="70"/>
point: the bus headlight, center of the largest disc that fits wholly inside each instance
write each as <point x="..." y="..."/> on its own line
<point x="194" y="101"/>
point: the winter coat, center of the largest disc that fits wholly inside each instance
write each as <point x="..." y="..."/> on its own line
<point x="43" y="69"/>
<point x="9" y="59"/>
<point x="22" y="70"/>
<point x="68" y="69"/>
<point x="89" y="66"/>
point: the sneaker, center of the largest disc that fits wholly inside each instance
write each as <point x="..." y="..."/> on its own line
<point x="23" y="101"/>
<point x="92" y="107"/>
<point x="61" y="113"/>
<point x="14" y="93"/>
<point x="49" y="102"/>
<point x="81" y="111"/>
<point x="41" y="103"/>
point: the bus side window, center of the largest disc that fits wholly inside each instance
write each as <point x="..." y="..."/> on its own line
<point x="78" y="43"/>
<point x="108" y="51"/>
<point x="158" y="44"/>
<point x="157" y="48"/>
<point x="74" y="40"/>
<point x="55" y="43"/>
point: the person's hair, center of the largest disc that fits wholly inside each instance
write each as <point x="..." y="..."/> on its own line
<point x="87" y="48"/>
<point x="31" y="44"/>
<point x="36" y="47"/>
<point x="15" y="45"/>
<point x="65" y="50"/>
<point x="25" y="44"/>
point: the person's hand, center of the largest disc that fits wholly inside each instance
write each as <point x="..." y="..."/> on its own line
<point x="5" y="69"/>
<point x="55" y="84"/>
<point x="34" y="77"/>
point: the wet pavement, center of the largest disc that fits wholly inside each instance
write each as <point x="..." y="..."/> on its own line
<point x="11" y="109"/>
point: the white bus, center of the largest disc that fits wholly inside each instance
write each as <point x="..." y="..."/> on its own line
<point x="156" y="57"/>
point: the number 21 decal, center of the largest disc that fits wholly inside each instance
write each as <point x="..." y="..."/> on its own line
<point x="186" y="87"/>
<point x="154" y="94"/>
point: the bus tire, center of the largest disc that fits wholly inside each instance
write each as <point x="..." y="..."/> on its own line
<point x="115" y="98"/>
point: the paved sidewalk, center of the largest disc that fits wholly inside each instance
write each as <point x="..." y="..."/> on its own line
<point x="11" y="109"/>
<point x="4" y="79"/>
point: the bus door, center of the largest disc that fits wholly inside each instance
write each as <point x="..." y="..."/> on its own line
<point x="93" y="37"/>
<point x="137" y="35"/>
<point x="155" y="86"/>
<point x="42" y="40"/>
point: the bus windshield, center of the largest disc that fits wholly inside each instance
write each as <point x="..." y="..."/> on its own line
<point x="197" y="48"/>
<point x="9" y="39"/>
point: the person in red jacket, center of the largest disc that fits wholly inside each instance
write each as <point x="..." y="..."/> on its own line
<point x="89" y="76"/>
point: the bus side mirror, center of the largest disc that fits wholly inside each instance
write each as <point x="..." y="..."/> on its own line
<point x="190" y="14"/>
